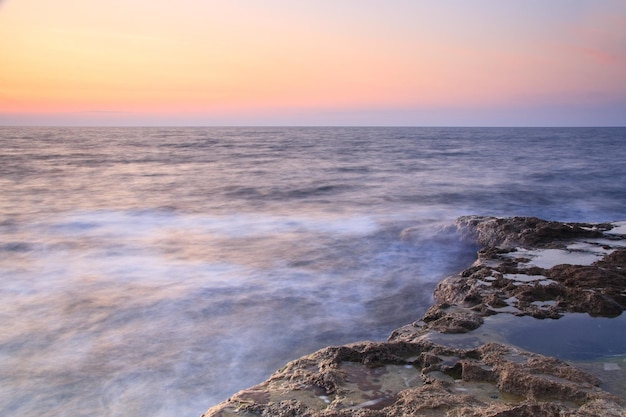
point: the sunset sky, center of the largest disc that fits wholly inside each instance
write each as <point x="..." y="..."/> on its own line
<point x="321" y="62"/>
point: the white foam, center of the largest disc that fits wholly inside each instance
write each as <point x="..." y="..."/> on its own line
<point x="618" y="229"/>
<point x="589" y="246"/>
<point x="524" y="277"/>
<point x="548" y="258"/>
<point x="544" y="304"/>
<point x="621" y="243"/>
<point x="521" y="279"/>
<point x="143" y="223"/>
<point x="610" y="366"/>
<point x="369" y="403"/>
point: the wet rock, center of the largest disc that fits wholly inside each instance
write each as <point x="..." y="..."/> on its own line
<point x="447" y="319"/>
<point x="527" y="267"/>
<point x="590" y="277"/>
<point x="526" y="231"/>
<point x="422" y="379"/>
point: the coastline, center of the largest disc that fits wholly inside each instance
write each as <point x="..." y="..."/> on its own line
<point x="459" y="359"/>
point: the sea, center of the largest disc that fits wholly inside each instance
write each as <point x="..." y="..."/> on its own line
<point x="156" y="271"/>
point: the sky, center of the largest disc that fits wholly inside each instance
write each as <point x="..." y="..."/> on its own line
<point x="313" y="62"/>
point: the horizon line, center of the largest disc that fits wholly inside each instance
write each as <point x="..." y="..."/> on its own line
<point x="305" y="126"/>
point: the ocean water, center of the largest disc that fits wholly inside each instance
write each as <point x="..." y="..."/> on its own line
<point x="156" y="271"/>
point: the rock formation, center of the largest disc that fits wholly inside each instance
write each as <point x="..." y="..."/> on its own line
<point x="526" y="267"/>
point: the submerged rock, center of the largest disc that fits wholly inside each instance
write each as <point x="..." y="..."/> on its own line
<point x="441" y="365"/>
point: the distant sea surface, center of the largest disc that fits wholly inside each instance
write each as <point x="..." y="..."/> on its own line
<point x="156" y="271"/>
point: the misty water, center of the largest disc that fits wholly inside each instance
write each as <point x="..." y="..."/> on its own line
<point x="159" y="270"/>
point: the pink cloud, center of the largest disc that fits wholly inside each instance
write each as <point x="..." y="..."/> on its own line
<point x="598" y="55"/>
<point x="602" y="38"/>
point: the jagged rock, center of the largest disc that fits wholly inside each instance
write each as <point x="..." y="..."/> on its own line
<point x="527" y="231"/>
<point x="506" y="271"/>
<point x="422" y="379"/>
<point x="446" y="320"/>
<point x="517" y="271"/>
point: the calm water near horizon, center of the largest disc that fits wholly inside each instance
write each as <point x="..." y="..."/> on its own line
<point x="159" y="270"/>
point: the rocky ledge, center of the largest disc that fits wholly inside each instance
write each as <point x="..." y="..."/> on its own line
<point x="526" y="267"/>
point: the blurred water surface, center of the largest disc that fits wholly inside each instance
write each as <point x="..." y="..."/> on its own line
<point x="158" y="270"/>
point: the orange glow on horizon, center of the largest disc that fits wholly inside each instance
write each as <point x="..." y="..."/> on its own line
<point x="147" y="57"/>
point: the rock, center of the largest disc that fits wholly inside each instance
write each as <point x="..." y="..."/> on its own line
<point x="447" y="320"/>
<point x="519" y="272"/>
<point x="526" y="231"/>
<point x="423" y="379"/>
<point x="507" y="271"/>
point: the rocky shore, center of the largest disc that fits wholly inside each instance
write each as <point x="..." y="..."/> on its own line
<point x="458" y="359"/>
